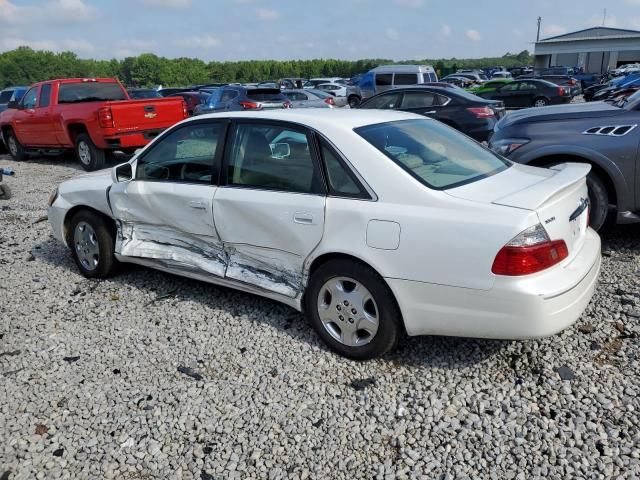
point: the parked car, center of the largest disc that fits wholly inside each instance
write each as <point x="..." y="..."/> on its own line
<point x="335" y="89"/>
<point x="476" y="77"/>
<point x="291" y="83"/>
<point x="612" y="91"/>
<point x="574" y="86"/>
<point x="385" y="77"/>
<point x="192" y="99"/>
<point x="11" y="94"/>
<point x="313" y="98"/>
<point x="90" y="115"/>
<point x="460" y="82"/>
<point x="165" y="92"/>
<point x="490" y="86"/>
<point x="501" y="74"/>
<point x="461" y="110"/>
<point x="625" y="69"/>
<point x="233" y="98"/>
<point x="314" y="82"/>
<point x="371" y="223"/>
<point x="600" y="134"/>
<point x="137" y="93"/>
<point x="529" y="93"/>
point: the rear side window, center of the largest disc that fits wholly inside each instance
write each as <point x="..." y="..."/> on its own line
<point x="435" y="155"/>
<point x="341" y="180"/>
<point x="265" y="96"/>
<point x="405" y="79"/>
<point x="45" y="95"/>
<point x="90" y="92"/>
<point x="186" y="155"/>
<point x="228" y="95"/>
<point x="384" y="79"/>
<point x="273" y="157"/>
<point x="386" y="102"/>
<point x="419" y="100"/>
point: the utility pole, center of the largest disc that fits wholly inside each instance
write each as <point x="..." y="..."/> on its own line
<point x="539" y="23"/>
<point x="604" y="17"/>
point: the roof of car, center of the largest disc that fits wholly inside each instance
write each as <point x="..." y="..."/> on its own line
<point x="346" y="118"/>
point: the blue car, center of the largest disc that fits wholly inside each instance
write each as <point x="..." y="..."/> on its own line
<point x="11" y="94"/>
<point x="235" y="98"/>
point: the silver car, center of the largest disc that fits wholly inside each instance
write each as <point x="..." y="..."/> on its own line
<point x="313" y="98"/>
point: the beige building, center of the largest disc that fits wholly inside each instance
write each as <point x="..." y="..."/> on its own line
<point x="596" y="49"/>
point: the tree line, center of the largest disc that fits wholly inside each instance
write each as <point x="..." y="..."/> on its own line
<point x="24" y="66"/>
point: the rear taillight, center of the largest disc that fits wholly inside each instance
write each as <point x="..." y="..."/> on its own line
<point x="561" y="91"/>
<point x="250" y="105"/>
<point x="530" y="252"/>
<point x="185" y="110"/>
<point x="572" y="82"/>
<point x="482" y="112"/>
<point x="105" y="118"/>
<point x="329" y="101"/>
<point x="287" y="104"/>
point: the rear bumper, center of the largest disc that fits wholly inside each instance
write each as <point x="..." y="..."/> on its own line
<point x="129" y="140"/>
<point x="515" y="308"/>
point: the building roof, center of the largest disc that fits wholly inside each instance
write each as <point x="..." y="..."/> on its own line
<point x="593" y="33"/>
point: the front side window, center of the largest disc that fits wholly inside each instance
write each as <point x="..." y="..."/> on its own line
<point x="510" y="87"/>
<point x="435" y="155"/>
<point x="186" y="155"/>
<point x="29" y="99"/>
<point x="228" y="95"/>
<point x="527" y="86"/>
<point x="386" y="102"/>
<point x="272" y="157"/>
<point x="45" y="95"/>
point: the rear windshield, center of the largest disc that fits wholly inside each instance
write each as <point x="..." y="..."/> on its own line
<point x="89" y="92"/>
<point x="5" y="96"/>
<point x="144" y="94"/>
<point x="434" y="154"/>
<point x="265" y="95"/>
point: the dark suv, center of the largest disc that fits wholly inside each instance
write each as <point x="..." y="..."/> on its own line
<point x="529" y="93"/>
<point x="234" y="98"/>
<point x="601" y="134"/>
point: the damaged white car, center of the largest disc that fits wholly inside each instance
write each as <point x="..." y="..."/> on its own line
<point x="370" y="222"/>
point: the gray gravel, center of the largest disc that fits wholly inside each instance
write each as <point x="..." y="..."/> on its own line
<point x="149" y="375"/>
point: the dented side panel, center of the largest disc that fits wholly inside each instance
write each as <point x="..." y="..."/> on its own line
<point x="268" y="235"/>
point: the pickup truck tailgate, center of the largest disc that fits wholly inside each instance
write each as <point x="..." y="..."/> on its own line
<point x="147" y="114"/>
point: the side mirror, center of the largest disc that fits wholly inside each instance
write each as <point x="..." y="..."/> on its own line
<point x="122" y="173"/>
<point x="12" y="104"/>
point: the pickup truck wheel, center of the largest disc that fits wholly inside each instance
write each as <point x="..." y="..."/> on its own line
<point x="599" y="200"/>
<point x="15" y="148"/>
<point x="354" y="101"/>
<point x="91" y="157"/>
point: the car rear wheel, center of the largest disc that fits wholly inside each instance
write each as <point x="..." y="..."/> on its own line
<point x="354" y="101"/>
<point x="90" y="157"/>
<point x="599" y="201"/>
<point x="92" y="245"/>
<point x="540" y="102"/>
<point x="16" y="150"/>
<point x="352" y="310"/>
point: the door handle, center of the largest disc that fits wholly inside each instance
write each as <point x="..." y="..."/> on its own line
<point x="304" y="218"/>
<point x="197" y="205"/>
<point x="430" y="112"/>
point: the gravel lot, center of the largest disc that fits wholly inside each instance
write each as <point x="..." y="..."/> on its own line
<point x="97" y="379"/>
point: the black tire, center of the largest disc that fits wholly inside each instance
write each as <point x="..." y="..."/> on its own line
<point x="388" y="314"/>
<point x="540" y="102"/>
<point x="15" y="148"/>
<point x="104" y="236"/>
<point x="5" y="192"/>
<point x="354" y="101"/>
<point x="599" y="200"/>
<point x="90" y="157"/>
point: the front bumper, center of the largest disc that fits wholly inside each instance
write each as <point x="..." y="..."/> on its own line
<point x="532" y="306"/>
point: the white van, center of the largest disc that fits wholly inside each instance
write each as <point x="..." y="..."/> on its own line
<point x="385" y="77"/>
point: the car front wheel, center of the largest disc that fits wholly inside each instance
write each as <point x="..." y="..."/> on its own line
<point x="353" y="310"/>
<point x="92" y="245"/>
<point x="599" y="201"/>
<point x="540" y="102"/>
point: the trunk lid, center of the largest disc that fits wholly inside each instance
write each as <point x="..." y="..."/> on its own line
<point x="146" y="114"/>
<point x="558" y="195"/>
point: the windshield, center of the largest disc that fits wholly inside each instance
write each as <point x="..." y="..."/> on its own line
<point x="434" y="154"/>
<point x="89" y="92"/>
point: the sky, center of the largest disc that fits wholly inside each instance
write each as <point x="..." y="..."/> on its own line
<point x="288" y="29"/>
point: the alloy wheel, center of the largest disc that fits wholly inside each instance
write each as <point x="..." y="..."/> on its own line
<point x="84" y="153"/>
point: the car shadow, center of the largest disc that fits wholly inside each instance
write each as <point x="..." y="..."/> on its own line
<point x="429" y="351"/>
<point x="68" y="159"/>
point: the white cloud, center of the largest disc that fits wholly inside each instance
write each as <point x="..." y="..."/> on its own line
<point x="474" y="35"/>
<point x="391" y="34"/>
<point x="11" y="43"/>
<point x="409" y="3"/>
<point x="168" y="3"/>
<point x="64" y="11"/>
<point x="552" y="30"/>
<point x="445" y="30"/>
<point x="267" y="14"/>
<point x="78" y="45"/>
<point x="204" y="41"/>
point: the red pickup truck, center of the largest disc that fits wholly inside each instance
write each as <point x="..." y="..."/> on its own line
<point x="93" y="116"/>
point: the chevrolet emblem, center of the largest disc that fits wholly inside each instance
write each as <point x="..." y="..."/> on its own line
<point x="150" y="115"/>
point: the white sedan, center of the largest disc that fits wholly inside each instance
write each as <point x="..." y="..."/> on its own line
<point x="370" y="222"/>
